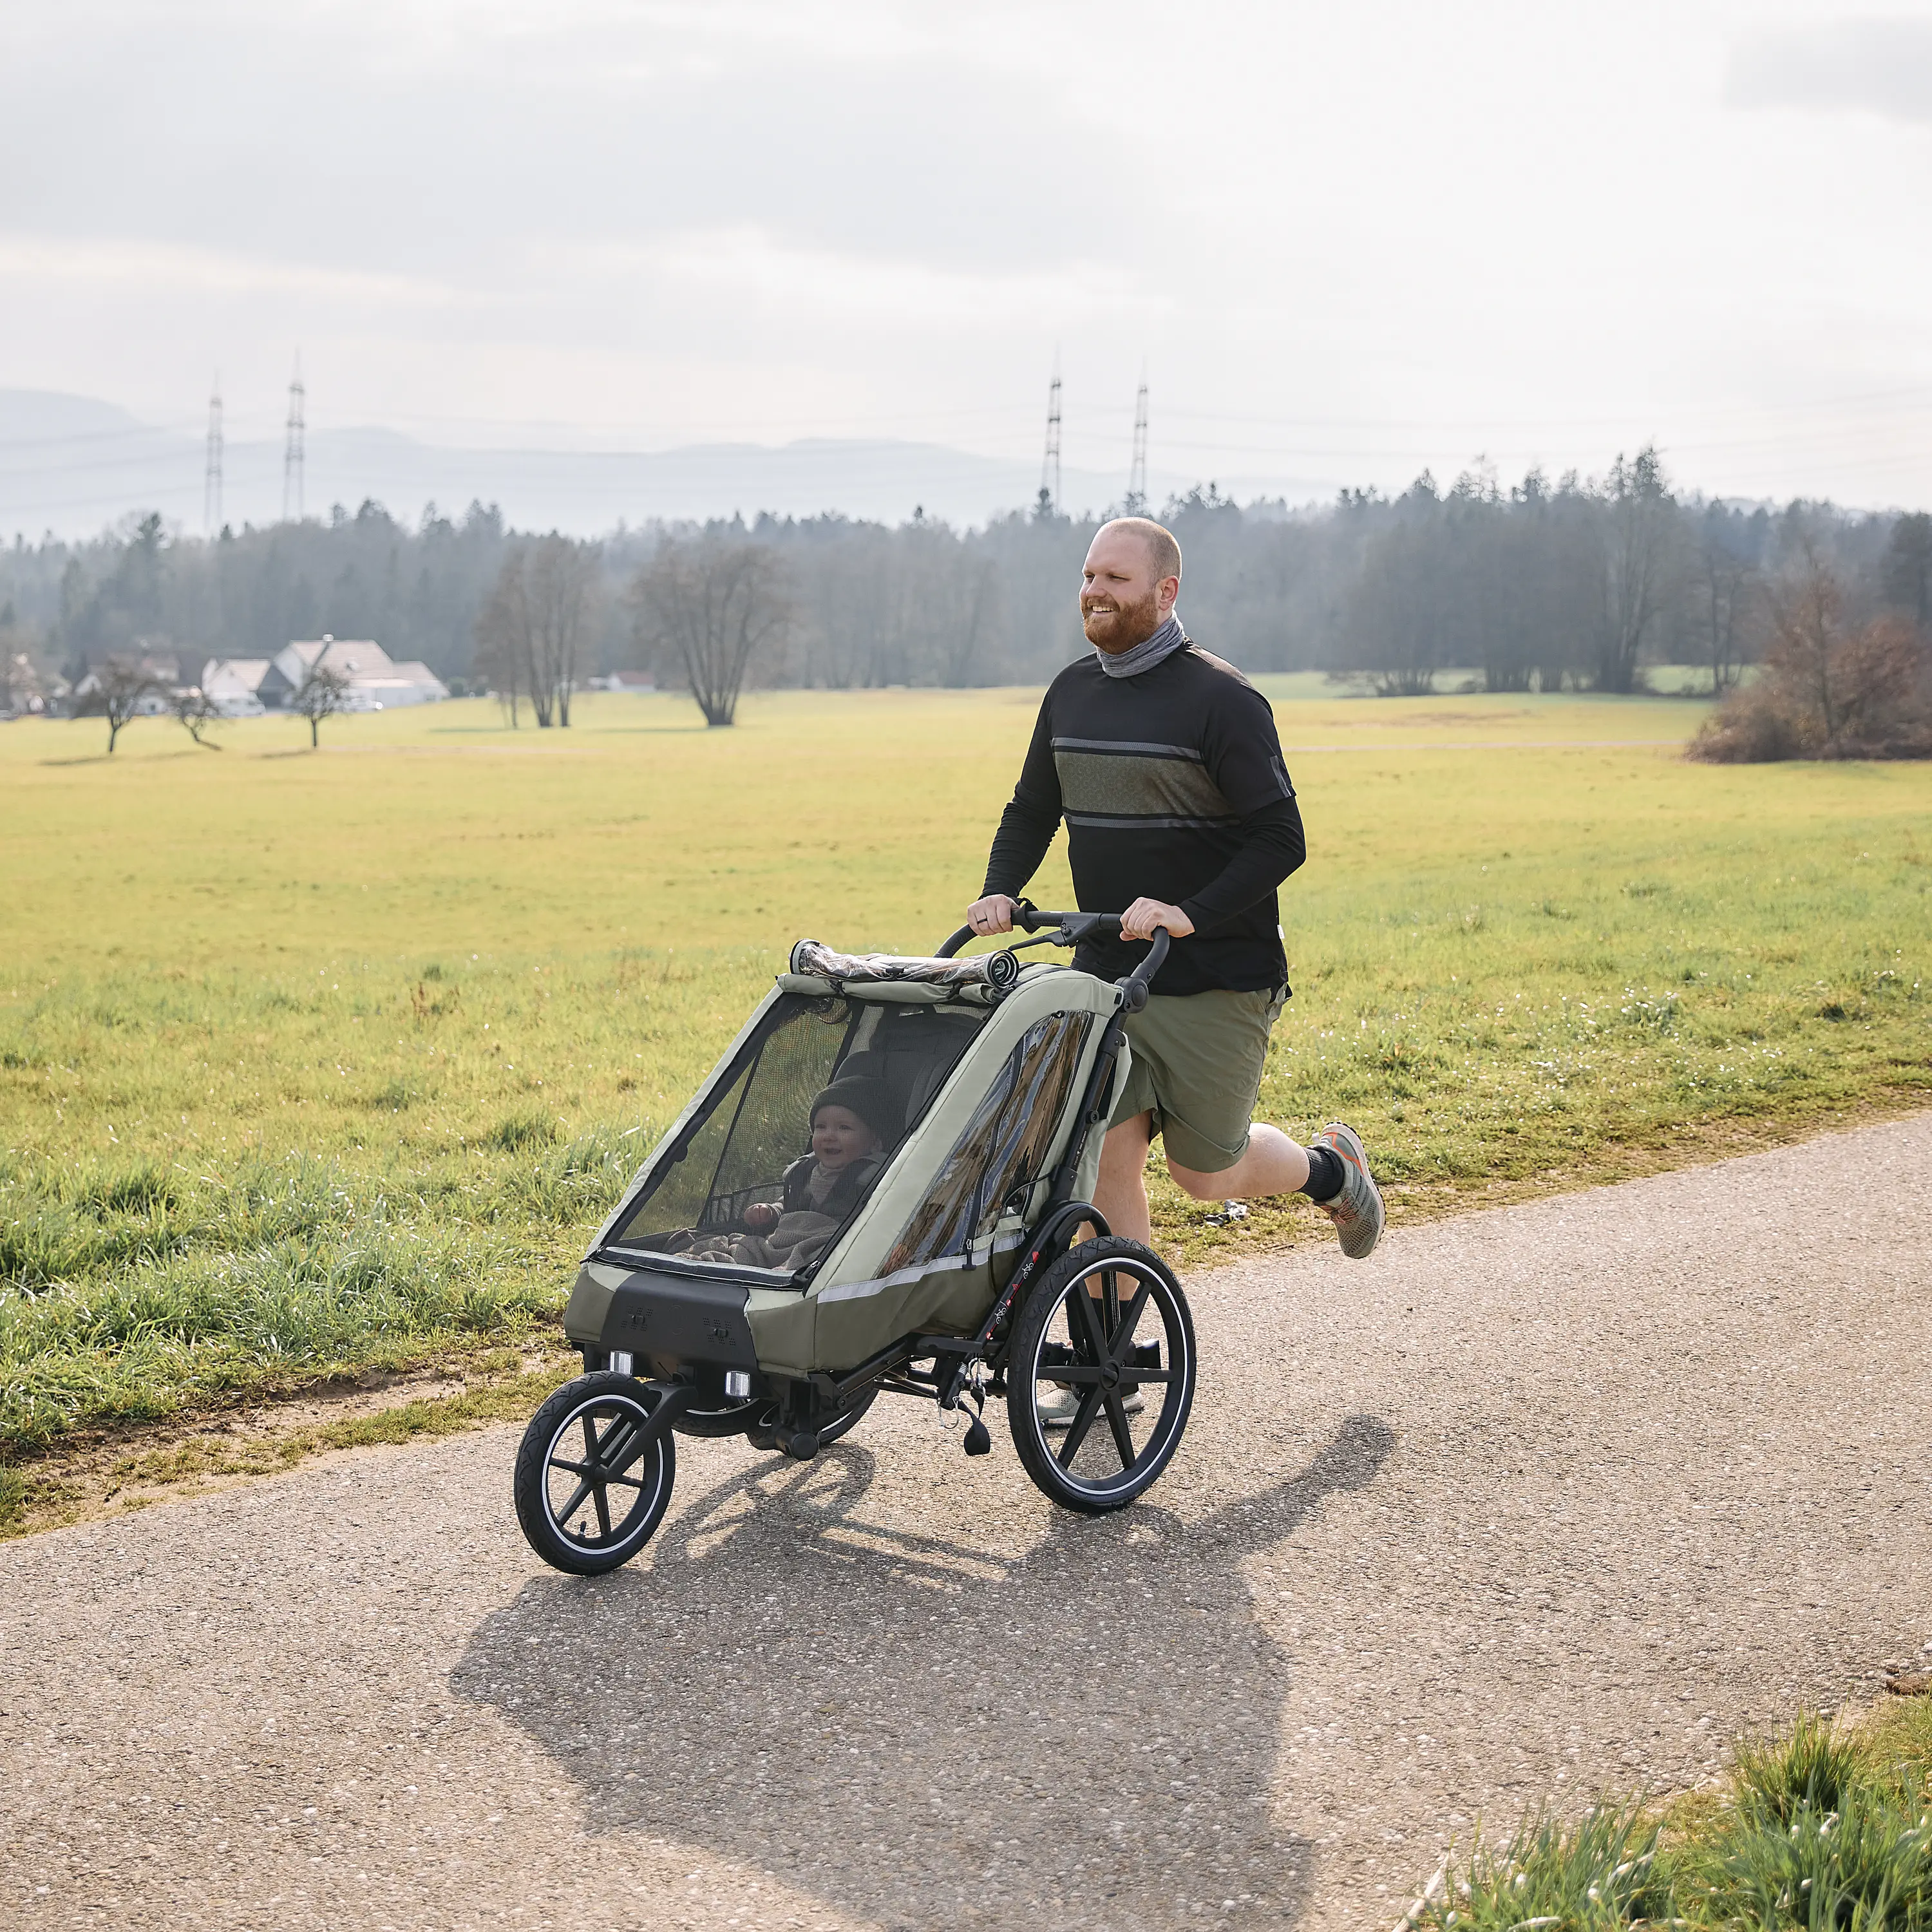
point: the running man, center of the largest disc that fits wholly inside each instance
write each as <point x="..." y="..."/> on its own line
<point x="1163" y="760"/>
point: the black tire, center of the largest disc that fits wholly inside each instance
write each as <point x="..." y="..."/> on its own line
<point x="576" y="1518"/>
<point x="769" y="1435"/>
<point x="849" y="1420"/>
<point x="1066" y="1336"/>
<point x="733" y="1419"/>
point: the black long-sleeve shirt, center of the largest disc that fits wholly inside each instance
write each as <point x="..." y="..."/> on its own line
<point x="1173" y="788"/>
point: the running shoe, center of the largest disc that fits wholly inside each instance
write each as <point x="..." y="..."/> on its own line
<point x="1059" y="1407"/>
<point x="1357" y="1211"/>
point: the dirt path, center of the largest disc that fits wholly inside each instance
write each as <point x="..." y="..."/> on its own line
<point x="1538" y="1498"/>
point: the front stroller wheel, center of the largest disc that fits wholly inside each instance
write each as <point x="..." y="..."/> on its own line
<point x="583" y="1508"/>
<point x="1100" y="1375"/>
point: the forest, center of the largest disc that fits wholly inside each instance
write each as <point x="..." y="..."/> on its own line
<point x="1570" y="584"/>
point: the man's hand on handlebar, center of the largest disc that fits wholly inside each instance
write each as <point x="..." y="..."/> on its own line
<point x="1141" y="918"/>
<point x="992" y="914"/>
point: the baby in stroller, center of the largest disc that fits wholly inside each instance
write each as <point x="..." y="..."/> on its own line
<point x="850" y="1120"/>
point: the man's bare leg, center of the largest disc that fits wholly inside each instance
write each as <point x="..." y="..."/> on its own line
<point x="1271" y="1164"/>
<point x="1120" y="1192"/>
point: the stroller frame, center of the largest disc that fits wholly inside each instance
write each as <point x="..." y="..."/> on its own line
<point x="1065" y="1318"/>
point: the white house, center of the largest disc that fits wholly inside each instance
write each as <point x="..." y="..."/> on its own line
<point x="376" y="682"/>
<point x="235" y="686"/>
<point x="246" y="687"/>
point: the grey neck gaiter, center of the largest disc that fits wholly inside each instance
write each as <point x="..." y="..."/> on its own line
<point x="1148" y="653"/>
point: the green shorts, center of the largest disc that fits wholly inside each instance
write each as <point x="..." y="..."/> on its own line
<point x="1197" y="1063"/>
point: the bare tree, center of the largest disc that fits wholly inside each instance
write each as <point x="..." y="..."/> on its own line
<point x="119" y="688"/>
<point x="530" y="632"/>
<point x="320" y="695"/>
<point x="1841" y="680"/>
<point x="1727" y="592"/>
<point x="197" y="714"/>
<point x="710" y="605"/>
<point x="1642" y="533"/>
<point x="500" y="655"/>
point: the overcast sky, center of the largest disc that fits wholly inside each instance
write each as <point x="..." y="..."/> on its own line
<point x="1344" y="240"/>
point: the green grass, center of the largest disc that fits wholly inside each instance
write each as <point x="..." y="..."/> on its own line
<point x="1821" y="1828"/>
<point x="316" y="1062"/>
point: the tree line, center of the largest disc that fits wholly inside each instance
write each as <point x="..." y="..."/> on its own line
<point x="1570" y="584"/>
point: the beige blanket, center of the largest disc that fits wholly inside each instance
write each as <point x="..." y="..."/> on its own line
<point x="792" y="1241"/>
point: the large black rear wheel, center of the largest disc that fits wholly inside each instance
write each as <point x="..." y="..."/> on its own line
<point x="581" y="1509"/>
<point x="1100" y="1375"/>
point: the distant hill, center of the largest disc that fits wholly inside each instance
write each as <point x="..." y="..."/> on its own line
<point x="73" y="464"/>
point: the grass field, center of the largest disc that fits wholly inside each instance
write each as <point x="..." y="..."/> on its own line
<point x="317" y="1062"/>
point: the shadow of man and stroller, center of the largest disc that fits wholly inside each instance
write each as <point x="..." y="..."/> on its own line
<point x="920" y="1728"/>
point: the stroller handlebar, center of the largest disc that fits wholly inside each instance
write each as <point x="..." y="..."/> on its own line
<point x="1069" y="928"/>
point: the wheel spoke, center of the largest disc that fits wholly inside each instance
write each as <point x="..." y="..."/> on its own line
<point x="1124" y="1439"/>
<point x="1082" y="1376"/>
<point x="1076" y="1430"/>
<point x="1124" y="1335"/>
<point x="603" y="1497"/>
<point x="635" y="1444"/>
<point x="1090" y="1323"/>
<point x="575" y="1503"/>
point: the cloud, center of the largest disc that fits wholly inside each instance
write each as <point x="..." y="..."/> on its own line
<point x="338" y="135"/>
<point x="1877" y="66"/>
<point x="151" y="265"/>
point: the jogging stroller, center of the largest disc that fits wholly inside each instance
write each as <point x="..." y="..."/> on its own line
<point x="955" y="1274"/>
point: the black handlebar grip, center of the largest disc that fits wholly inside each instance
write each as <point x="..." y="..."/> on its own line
<point x="1134" y="987"/>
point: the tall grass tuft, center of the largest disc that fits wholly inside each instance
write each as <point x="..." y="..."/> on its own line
<point x="517" y="1133"/>
<point x="1819" y="1835"/>
<point x="1813" y="1769"/>
<point x="1601" y="1872"/>
<point x="1820" y="1830"/>
<point x="579" y="1181"/>
<point x="1865" y="1868"/>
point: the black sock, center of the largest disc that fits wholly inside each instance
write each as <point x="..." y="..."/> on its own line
<point x="1326" y="1175"/>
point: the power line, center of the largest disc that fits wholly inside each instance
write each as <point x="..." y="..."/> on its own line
<point x="211" y="486"/>
<point x="292" y="453"/>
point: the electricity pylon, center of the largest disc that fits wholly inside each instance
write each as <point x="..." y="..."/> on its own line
<point x="1049" y="472"/>
<point x="211" y="486"/>
<point x="293" y="451"/>
<point x="1137" y="470"/>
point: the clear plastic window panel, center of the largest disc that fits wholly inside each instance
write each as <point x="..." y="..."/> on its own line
<point x="1004" y="1146"/>
<point x="759" y="1121"/>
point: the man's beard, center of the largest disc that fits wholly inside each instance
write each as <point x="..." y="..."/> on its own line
<point x="1125" y="626"/>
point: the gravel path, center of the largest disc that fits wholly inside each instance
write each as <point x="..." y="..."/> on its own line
<point x="1543" y="1497"/>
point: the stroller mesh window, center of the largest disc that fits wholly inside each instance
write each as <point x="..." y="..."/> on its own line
<point x="758" y="1121"/>
<point x="1004" y="1145"/>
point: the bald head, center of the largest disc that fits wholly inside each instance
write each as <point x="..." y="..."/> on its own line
<point x="1128" y="582"/>
<point x="1163" y="554"/>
